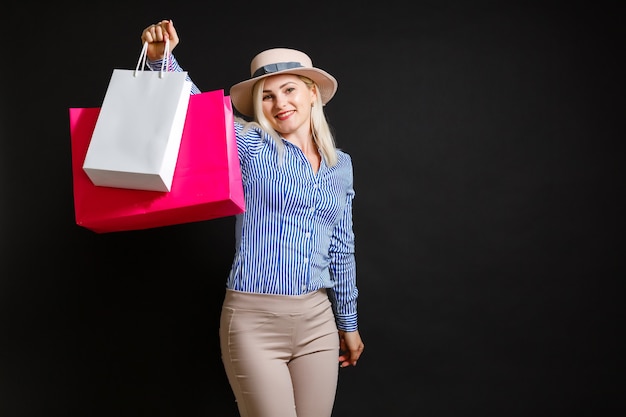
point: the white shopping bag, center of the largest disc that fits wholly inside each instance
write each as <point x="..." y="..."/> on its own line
<point x="137" y="135"/>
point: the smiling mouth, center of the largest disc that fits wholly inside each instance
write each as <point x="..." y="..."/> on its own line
<point x="284" y="115"/>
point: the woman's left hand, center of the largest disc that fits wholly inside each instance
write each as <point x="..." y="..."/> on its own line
<point x="350" y="348"/>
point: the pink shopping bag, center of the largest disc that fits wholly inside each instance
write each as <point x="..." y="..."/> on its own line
<point x="207" y="178"/>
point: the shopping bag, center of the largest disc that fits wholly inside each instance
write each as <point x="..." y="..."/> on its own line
<point x="137" y="136"/>
<point x="206" y="184"/>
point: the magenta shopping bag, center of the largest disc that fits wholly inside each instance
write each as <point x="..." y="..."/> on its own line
<point x="206" y="184"/>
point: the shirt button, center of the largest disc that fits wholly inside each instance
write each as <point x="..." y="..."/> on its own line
<point x="312" y="209"/>
<point x="306" y="260"/>
<point x="307" y="235"/>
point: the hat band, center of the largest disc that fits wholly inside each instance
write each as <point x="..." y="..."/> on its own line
<point x="279" y="66"/>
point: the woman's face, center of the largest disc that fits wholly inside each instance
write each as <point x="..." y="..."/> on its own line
<point x="287" y="102"/>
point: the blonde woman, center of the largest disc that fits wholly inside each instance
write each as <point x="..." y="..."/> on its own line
<point x="289" y="317"/>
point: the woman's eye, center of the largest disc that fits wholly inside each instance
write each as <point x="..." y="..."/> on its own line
<point x="267" y="97"/>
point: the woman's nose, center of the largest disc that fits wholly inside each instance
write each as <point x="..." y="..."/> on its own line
<point x="281" y="102"/>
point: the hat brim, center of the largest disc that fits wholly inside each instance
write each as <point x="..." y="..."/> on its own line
<point x="241" y="93"/>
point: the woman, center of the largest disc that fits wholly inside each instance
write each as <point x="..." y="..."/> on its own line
<point x="290" y="309"/>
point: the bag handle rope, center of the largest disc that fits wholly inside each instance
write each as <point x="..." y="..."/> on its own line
<point x="165" y="62"/>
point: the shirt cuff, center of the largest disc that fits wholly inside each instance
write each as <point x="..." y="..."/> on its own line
<point x="347" y="322"/>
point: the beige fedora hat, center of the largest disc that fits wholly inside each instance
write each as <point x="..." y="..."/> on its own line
<point x="280" y="61"/>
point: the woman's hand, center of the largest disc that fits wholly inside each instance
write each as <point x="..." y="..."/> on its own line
<point x="350" y="348"/>
<point x="156" y="35"/>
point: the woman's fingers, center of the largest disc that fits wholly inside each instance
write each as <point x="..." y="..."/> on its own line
<point x="156" y="35"/>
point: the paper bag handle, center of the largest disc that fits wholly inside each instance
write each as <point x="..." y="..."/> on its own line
<point x="141" y="63"/>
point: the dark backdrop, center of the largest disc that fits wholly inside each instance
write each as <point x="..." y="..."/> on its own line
<point x="487" y="149"/>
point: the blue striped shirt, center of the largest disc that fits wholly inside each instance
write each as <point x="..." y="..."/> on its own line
<point x="296" y="234"/>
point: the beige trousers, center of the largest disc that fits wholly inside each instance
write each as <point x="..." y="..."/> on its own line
<point x="280" y="353"/>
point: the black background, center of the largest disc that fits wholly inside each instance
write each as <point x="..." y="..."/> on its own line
<point x="487" y="146"/>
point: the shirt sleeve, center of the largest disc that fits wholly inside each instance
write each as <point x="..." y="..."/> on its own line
<point x="172" y="66"/>
<point x="343" y="264"/>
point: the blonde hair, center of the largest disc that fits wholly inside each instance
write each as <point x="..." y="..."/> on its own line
<point x="320" y="129"/>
